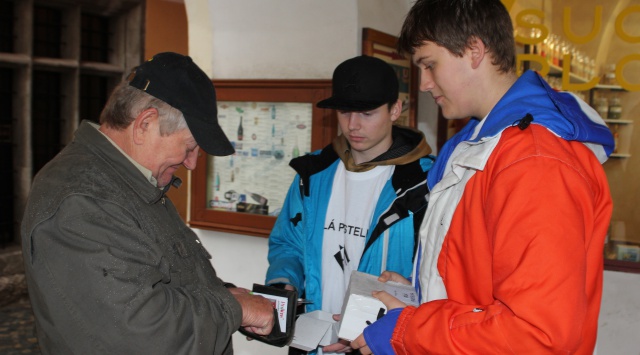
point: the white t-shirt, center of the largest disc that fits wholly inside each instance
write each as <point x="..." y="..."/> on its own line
<point x="350" y="210"/>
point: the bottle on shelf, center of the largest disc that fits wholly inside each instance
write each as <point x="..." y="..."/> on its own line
<point x="610" y="74"/>
<point x="602" y="106"/>
<point x="296" y="150"/>
<point x="240" y="130"/>
<point x="615" y="108"/>
<point x="552" y="55"/>
<point x="544" y="48"/>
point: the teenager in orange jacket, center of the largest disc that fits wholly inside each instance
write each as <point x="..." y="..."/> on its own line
<point x="510" y="258"/>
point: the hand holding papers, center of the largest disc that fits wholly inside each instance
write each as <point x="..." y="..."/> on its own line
<point x="284" y="310"/>
<point x="360" y="308"/>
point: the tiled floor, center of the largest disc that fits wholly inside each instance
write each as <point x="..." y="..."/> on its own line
<point x="17" y="329"/>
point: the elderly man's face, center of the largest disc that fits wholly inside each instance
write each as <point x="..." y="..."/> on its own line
<point x="167" y="153"/>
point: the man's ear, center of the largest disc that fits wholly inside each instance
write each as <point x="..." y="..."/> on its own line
<point x="396" y="110"/>
<point x="477" y="51"/>
<point x="144" y="124"/>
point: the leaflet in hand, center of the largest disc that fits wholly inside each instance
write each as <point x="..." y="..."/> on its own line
<point x="280" y="304"/>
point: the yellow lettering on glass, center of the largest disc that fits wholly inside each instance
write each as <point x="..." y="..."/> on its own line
<point x="620" y="66"/>
<point x="533" y="58"/>
<point x="508" y="4"/>
<point x="620" y="20"/>
<point x="543" y="32"/>
<point x="522" y="22"/>
<point x="597" y="25"/>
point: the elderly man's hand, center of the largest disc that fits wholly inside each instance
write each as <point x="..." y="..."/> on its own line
<point x="257" y="311"/>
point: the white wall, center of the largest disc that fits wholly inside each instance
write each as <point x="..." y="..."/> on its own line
<point x="619" y="323"/>
<point x="242" y="260"/>
<point x="282" y="39"/>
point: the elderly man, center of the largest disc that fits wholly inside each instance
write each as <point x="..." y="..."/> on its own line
<point x="111" y="267"/>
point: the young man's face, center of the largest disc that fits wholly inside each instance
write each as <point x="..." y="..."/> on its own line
<point x="369" y="132"/>
<point x="447" y="77"/>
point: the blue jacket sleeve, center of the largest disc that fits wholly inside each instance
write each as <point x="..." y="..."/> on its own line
<point x="378" y="335"/>
<point x="286" y="242"/>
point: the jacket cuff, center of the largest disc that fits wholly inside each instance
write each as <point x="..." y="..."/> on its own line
<point x="378" y="335"/>
<point x="399" y="331"/>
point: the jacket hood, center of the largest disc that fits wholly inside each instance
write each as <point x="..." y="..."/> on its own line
<point x="408" y="145"/>
<point x="560" y="112"/>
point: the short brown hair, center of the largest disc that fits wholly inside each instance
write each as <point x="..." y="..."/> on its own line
<point x="453" y="23"/>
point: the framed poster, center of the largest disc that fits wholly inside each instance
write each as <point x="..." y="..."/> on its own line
<point x="382" y="45"/>
<point x="269" y="122"/>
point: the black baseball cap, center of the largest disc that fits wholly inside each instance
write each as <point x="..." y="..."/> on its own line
<point x="362" y="83"/>
<point x="175" y="79"/>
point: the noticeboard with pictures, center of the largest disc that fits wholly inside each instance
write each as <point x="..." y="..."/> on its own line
<point x="269" y="122"/>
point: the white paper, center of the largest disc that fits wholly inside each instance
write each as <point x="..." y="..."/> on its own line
<point x="360" y="308"/>
<point x="314" y="329"/>
<point x="280" y="304"/>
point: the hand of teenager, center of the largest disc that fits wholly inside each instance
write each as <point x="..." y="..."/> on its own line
<point x="342" y="346"/>
<point x="389" y="301"/>
<point x="393" y="276"/>
<point x="382" y="329"/>
<point x="360" y="344"/>
<point x="257" y="312"/>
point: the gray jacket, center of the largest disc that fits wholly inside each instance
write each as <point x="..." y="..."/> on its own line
<point x="111" y="267"/>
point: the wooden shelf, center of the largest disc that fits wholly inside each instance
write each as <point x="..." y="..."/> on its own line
<point x="624" y="266"/>
<point x="618" y="121"/>
<point x="609" y="87"/>
<point x="620" y="155"/>
<point x="555" y="70"/>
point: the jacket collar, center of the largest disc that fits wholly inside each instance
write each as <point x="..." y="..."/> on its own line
<point x="96" y="142"/>
<point x="560" y="112"/>
<point x="408" y="145"/>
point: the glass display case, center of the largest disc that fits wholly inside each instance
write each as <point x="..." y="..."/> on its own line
<point x="269" y="122"/>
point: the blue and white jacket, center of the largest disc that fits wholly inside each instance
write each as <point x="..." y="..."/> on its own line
<point x="295" y="243"/>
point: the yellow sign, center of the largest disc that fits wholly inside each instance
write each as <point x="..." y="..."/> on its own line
<point x="543" y="31"/>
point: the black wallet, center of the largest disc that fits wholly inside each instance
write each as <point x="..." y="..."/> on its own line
<point x="285" y="304"/>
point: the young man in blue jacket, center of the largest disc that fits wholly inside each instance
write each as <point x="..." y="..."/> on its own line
<point x="356" y="204"/>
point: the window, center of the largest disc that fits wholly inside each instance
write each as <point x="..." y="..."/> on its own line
<point x="6" y="156"/>
<point x="6" y="26"/>
<point x="47" y="32"/>
<point x="58" y="61"/>
<point x="95" y="38"/>
<point x="45" y="117"/>
<point x="94" y="91"/>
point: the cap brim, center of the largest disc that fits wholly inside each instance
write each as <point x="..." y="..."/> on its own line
<point x="348" y="105"/>
<point x="210" y="137"/>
